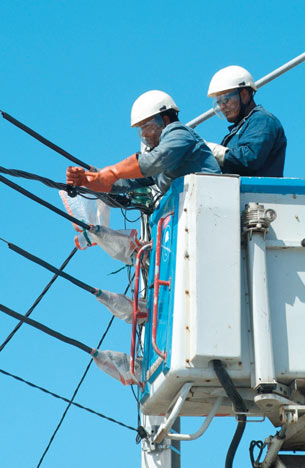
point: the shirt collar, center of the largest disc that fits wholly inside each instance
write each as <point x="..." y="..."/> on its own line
<point x="238" y="124"/>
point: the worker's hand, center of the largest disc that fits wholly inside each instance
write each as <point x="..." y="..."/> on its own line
<point x="75" y="176"/>
<point x="218" y="151"/>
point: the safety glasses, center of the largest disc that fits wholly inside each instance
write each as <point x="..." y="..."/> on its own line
<point x="228" y="99"/>
<point x="150" y="131"/>
<point x="223" y="99"/>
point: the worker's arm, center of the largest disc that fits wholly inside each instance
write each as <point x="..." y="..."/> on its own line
<point x="175" y="144"/>
<point x="103" y="180"/>
<point x="79" y="177"/>
<point x="218" y="151"/>
<point x="128" y="185"/>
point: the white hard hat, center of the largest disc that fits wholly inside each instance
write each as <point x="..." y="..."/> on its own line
<point x="230" y="78"/>
<point x="149" y="104"/>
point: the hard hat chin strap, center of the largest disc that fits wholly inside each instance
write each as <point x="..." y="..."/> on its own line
<point x="159" y="120"/>
<point x="163" y="121"/>
<point x="245" y="108"/>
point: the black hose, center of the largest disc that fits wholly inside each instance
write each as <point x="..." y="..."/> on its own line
<point x="226" y="382"/>
<point x="239" y="407"/>
<point x="235" y="441"/>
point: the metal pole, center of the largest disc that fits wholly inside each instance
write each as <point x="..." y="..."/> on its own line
<point x="274" y="446"/>
<point x="279" y="71"/>
<point x="259" y="83"/>
<point x="164" y="455"/>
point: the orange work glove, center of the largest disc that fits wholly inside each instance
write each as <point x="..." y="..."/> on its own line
<point x="75" y="176"/>
<point x="103" y="180"/>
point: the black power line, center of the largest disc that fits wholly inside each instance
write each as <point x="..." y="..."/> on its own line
<point x="47" y="330"/>
<point x="115" y="200"/>
<point x="73" y="396"/>
<point x="30" y="195"/>
<point x="10" y="336"/>
<point x="78" y="405"/>
<point x="77" y="388"/>
<point x="72" y="192"/>
<point x="73" y="342"/>
<point x="50" y="267"/>
<point x="48" y="182"/>
<point x="70" y="189"/>
<point x="43" y="140"/>
<point x="65" y="339"/>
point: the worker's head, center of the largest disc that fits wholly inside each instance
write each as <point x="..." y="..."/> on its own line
<point x="152" y="112"/>
<point x="232" y="89"/>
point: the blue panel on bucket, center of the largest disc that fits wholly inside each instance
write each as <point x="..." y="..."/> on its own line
<point x="282" y="186"/>
<point x="168" y="208"/>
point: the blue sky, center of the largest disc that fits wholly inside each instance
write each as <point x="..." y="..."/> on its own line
<point x="71" y="70"/>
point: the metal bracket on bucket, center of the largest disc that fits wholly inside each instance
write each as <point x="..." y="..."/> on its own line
<point x="137" y="314"/>
<point x="157" y="284"/>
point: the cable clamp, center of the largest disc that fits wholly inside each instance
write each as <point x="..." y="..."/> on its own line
<point x="142" y="434"/>
<point x="71" y="191"/>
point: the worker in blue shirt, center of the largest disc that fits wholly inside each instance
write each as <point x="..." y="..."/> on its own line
<point x="171" y="150"/>
<point x="256" y="144"/>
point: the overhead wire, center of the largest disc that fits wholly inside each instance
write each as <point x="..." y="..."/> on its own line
<point x="72" y="191"/>
<point x="43" y="202"/>
<point x="111" y="199"/>
<point x="120" y="201"/>
<point x="76" y="390"/>
<point x="46" y="181"/>
<point x="43" y="140"/>
<point x="67" y="340"/>
<point x="24" y="319"/>
<point x="73" y="396"/>
<point x="117" y="200"/>
<point x="49" y="267"/>
<point x="141" y="432"/>
<point x="60" y="397"/>
<point x="38" y="325"/>
<point x="47" y="330"/>
<point x="39" y="298"/>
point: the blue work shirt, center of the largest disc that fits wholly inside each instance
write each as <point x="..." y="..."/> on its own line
<point x="257" y="146"/>
<point x="180" y="151"/>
